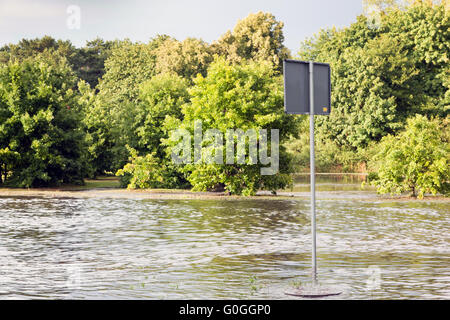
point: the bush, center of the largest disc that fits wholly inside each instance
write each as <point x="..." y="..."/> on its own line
<point x="330" y="157"/>
<point x="145" y="172"/>
<point x="416" y="160"/>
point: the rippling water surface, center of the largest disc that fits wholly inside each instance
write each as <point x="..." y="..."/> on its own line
<point x="208" y="249"/>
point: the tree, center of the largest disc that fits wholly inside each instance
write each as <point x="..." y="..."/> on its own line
<point x="372" y="93"/>
<point x="243" y="96"/>
<point x="186" y="59"/>
<point x="382" y="76"/>
<point x="127" y="67"/>
<point x="143" y="172"/>
<point x="375" y="7"/>
<point x="150" y="171"/>
<point x="258" y="37"/>
<point x="381" y="6"/>
<point x="8" y="159"/>
<point x="33" y="47"/>
<point x="160" y="97"/>
<point x="96" y="124"/>
<point x="424" y="32"/>
<point x="89" y="64"/>
<point x="40" y="135"/>
<point x="416" y="160"/>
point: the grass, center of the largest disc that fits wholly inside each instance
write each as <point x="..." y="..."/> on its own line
<point x="99" y="183"/>
<point x="102" y="182"/>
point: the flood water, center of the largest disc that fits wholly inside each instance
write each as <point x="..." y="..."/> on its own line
<point x="100" y="248"/>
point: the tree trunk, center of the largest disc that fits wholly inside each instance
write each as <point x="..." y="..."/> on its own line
<point x="413" y="189"/>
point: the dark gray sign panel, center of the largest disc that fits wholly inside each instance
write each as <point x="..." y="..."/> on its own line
<point x="296" y="87"/>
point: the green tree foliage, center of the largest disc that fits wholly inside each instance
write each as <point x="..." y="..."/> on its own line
<point x="128" y="65"/>
<point x="8" y="159"/>
<point x="383" y="75"/>
<point x="417" y="160"/>
<point x="87" y="62"/>
<point x="31" y="48"/>
<point x="385" y="5"/>
<point x="55" y="129"/>
<point x="99" y="140"/>
<point x="40" y="136"/>
<point x="380" y="5"/>
<point x="244" y="96"/>
<point x="186" y="58"/>
<point x="150" y="171"/>
<point x="257" y="37"/>
<point x="142" y="172"/>
<point x="160" y="97"/>
<point x="131" y="64"/>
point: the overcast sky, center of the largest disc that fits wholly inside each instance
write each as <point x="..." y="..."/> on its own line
<point x="139" y="20"/>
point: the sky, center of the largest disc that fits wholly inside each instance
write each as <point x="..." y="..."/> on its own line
<point x="140" y="20"/>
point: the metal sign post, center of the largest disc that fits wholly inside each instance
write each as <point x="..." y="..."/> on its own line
<point x="307" y="90"/>
<point x="313" y="171"/>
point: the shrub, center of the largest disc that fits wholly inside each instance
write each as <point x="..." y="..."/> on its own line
<point x="416" y="160"/>
<point x="144" y="172"/>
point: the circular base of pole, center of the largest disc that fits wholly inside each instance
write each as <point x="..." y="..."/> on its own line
<point x="313" y="292"/>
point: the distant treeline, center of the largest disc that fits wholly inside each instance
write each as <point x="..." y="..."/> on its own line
<point x="68" y="113"/>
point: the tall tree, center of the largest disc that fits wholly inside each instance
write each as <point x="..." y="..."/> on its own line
<point x="381" y="76"/>
<point x="258" y="37"/>
<point x="29" y="48"/>
<point x="40" y="123"/>
<point x="186" y="58"/>
<point x="161" y="97"/>
<point x="89" y="64"/>
<point x="245" y="96"/>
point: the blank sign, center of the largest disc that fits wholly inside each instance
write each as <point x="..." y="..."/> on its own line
<point x="296" y="87"/>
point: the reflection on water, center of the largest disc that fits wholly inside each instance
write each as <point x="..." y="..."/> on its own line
<point x="332" y="182"/>
<point x="194" y="249"/>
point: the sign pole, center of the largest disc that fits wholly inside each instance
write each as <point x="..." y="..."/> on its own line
<point x="297" y="100"/>
<point x="313" y="171"/>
